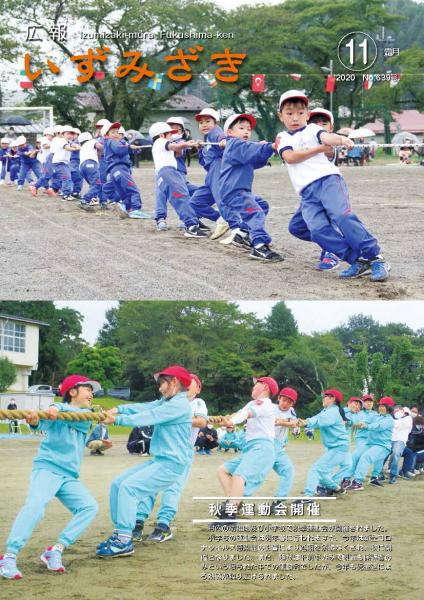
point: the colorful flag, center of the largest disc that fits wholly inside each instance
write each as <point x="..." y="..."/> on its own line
<point x="330" y="84"/>
<point x="210" y="79"/>
<point x="99" y="75"/>
<point x="258" y="83"/>
<point x="395" y="79"/>
<point x="295" y="76"/>
<point x="156" y="83"/>
<point x="368" y="82"/>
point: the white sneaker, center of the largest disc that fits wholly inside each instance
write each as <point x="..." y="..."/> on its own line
<point x="410" y="473"/>
<point x="229" y="239"/>
<point x="417" y="472"/>
<point x="1" y="181"/>
<point x="220" y="229"/>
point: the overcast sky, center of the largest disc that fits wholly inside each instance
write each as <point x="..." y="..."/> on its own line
<point x="310" y="315"/>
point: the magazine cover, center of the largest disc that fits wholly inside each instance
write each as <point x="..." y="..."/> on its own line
<point x="211" y="298"/>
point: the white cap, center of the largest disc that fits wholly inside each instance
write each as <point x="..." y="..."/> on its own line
<point x="48" y="131"/>
<point x="45" y="141"/>
<point x="160" y="127"/>
<point x="324" y="112"/>
<point x="5" y="140"/>
<point x="39" y="138"/>
<point x="234" y="118"/>
<point x="68" y="129"/>
<point x="58" y="128"/>
<point x="207" y="112"/>
<point x="102" y="122"/>
<point x="84" y="137"/>
<point x="76" y="130"/>
<point x="176" y="120"/>
<point x="14" y="143"/>
<point x="20" y="140"/>
<point x="121" y="130"/>
<point x="293" y="95"/>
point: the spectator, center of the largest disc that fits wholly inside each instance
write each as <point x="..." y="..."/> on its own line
<point x="355" y="155"/>
<point x="401" y="430"/>
<point x="229" y="440"/>
<point x="309" y="434"/>
<point x="413" y="453"/>
<point x="415" y="411"/>
<point x="13" y="423"/>
<point x="139" y="440"/>
<point x="207" y="439"/>
<point x="99" y="440"/>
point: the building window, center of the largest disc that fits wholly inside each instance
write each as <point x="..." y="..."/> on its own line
<point x="12" y="336"/>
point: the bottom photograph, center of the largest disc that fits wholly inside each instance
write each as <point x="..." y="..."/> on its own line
<point x="252" y="449"/>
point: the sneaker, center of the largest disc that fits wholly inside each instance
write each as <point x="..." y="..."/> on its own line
<point x="328" y="262"/>
<point x="161" y="225"/>
<point x="242" y="241"/>
<point x="406" y="475"/>
<point x="392" y="480"/>
<point x="203" y="227"/>
<point x="68" y="198"/>
<point x="375" y="481"/>
<point x="19" y="188"/>
<point x="417" y="472"/>
<point x="8" y="568"/>
<point x="359" y="268"/>
<point x="122" y="211"/>
<point x="115" y="547"/>
<point x="51" y="192"/>
<point x="355" y="486"/>
<point x="381" y="477"/>
<point x="76" y="196"/>
<point x="338" y="491"/>
<point x="139" y="214"/>
<point x="227" y="240"/>
<point x="33" y="190"/>
<point x="1" y="181"/>
<point x="380" y="269"/>
<point x="113" y="537"/>
<point x="52" y="558"/>
<point x="345" y="483"/>
<point x="302" y="502"/>
<point x="219" y="230"/>
<point x="265" y="253"/>
<point x="323" y="492"/>
<point x="137" y="534"/>
<point x="195" y="232"/>
<point x="161" y="533"/>
<point x="207" y="451"/>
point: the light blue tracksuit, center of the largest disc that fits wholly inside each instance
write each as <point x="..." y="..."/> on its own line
<point x="55" y="472"/>
<point x="360" y="438"/>
<point x="335" y="438"/>
<point x="379" y="445"/>
<point x="170" y="446"/>
<point x="171" y="496"/>
<point x="283" y="466"/>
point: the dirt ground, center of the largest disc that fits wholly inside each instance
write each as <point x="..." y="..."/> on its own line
<point x="172" y="570"/>
<point x="52" y="249"/>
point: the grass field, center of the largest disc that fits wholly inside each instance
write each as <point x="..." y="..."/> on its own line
<point x="172" y="570"/>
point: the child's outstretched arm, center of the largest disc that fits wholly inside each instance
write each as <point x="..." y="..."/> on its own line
<point x="334" y="139"/>
<point x="292" y="157"/>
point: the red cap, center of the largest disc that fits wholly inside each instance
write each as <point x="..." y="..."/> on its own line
<point x="197" y="380"/>
<point x="368" y="397"/>
<point x="387" y="401"/>
<point x="178" y="372"/>
<point x="270" y="382"/>
<point x="336" y="393"/>
<point x="73" y="381"/>
<point x="289" y="393"/>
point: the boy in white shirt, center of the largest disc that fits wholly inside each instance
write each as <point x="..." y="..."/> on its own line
<point x="249" y="469"/>
<point x="171" y="182"/>
<point x="61" y="148"/>
<point x="89" y="169"/>
<point x="324" y="197"/>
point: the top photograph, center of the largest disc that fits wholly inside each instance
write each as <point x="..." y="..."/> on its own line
<point x="197" y="150"/>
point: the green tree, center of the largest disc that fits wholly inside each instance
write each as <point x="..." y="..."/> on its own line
<point x="7" y="374"/>
<point x="100" y="363"/>
<point x="281" y="324"/>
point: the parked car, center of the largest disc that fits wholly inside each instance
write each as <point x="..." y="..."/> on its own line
<point x="123" y="393"/>
<point x="41" y="388"/>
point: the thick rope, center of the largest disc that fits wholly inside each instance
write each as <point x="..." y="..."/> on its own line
<point x="63" y="416"/>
